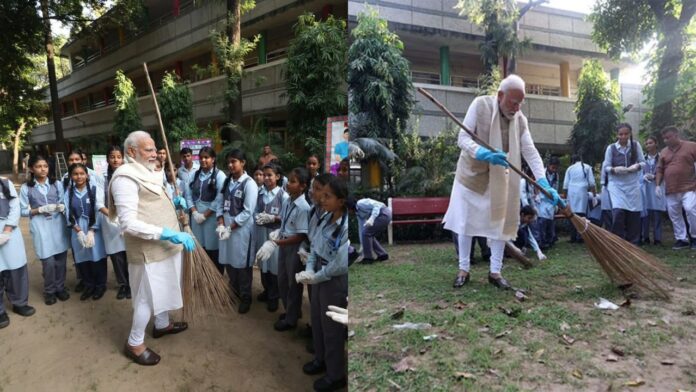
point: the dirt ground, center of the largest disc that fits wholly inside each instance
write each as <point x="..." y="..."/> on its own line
<point x="77" y="346"/>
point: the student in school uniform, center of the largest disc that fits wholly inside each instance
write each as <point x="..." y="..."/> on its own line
<point x="594" y="208"/>
<point x="605" y="203"/>
<point x="114" y="243"/>
<point x="543" y="228"/>
<point x="578" y="180"/>
<point x="373" y="218"/>
<point x="236" y="226"/>
<point x="188" y="165"/>
<point x="14" y="275"/>
<point x="258" y="176"/>
<point x="655" y="206"/>
<point x="312" y="165"/>
<point x="525" y="239"/>
<point x="82" y="201"/>
<point x="267" y="218"/>
<point x="203" y="194"/>
<point x="293" y="231"/>
<point x="41" y="200"/>
<point x="327" y="272"/>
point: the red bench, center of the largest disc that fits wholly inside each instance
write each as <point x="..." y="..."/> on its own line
<point x="416" y="210"/>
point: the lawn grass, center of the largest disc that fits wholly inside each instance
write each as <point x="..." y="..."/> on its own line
<point x="555" y="340"/>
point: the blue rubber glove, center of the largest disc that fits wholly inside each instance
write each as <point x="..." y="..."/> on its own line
<point x="178" y="237"/>
<point x="180" y="202"/>
<point x="547" y="187"/>
<point x="494" y="158"/>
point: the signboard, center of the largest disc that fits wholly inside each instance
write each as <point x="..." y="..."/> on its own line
<point x="195" y="145"/>
<point x="100" y="164"/>
<point x="337" y="137"/>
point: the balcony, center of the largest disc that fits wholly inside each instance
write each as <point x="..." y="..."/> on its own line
<point x="550" y="118"/>
<point x="263" y="87"/>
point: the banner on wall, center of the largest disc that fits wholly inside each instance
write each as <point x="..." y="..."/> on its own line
<point x="100" y="164"/>
<point x="337" y="137"/>
<point x="195" y="145"/>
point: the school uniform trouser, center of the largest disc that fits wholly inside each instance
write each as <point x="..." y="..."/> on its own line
<point x="78" y="274"/>
<point x="215" y="257"/>
<point x="522" y="240"/>
<point x="607" y="219"/>
<point x="677" y="205"/>
<point x="240" y="280"/>
<point x="16" y="284"/>
<point x="368" y="240"/>
<point x="120" y="263"/>
<point x="543" y="230"/>
<point x="574" y="235"/>
<point x="654" y="220"/>
<point x="329" y="337"/>
<point x="269" y="281"/>
<point x="54" y="273"/>
<point x="290" y="291"/>
<point x="93" y="273"/>
<point x="626" y="224"/>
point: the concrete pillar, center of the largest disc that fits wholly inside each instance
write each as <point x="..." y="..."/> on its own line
<point x="614" y="74"/>
<point x="74" y="102"/>
<point x="175" y="7"/>
<point x="445" y="66"/>
<point x="262" y="48"/>
<point x="565" y="79"/>
<point x="213" y="63"/>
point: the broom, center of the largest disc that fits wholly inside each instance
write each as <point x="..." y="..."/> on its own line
<point x="205" y="290"/>
<point x="625" y="264"/>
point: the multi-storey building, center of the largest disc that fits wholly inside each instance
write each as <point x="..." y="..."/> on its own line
<point x="176" y="37"/>
<point x="442" y="47"/>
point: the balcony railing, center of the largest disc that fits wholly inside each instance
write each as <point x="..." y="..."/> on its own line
<point x="473" y="82"/>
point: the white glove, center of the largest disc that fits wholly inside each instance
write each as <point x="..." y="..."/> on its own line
<point x="339" y="315"/>
<point x="4" y="237"/>
<point x="264" y="218"/>
<point x="305" y="277"/>
<point x="659" y="192"/>
<point x="47" y="209"/>
<point x="89" y="239"/>
<point x="304" y="255"/>
<point x="265" y="251"/>
<point x="81" y="238"/>
<point x="594" y="200"/>
<point x="649" y="177"/>
<point x="541" y="255"/>
<point x="620" y="170"/>
<point x="223" y="232"/>
<point x="369" y="222"/>
<point x="275" y="235"/>
<point x="634" y="168"/>
<point x="198" y="217"/>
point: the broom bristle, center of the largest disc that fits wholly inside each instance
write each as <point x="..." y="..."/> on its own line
<point x="205" y="291"/>
<point x="622" y="261"/>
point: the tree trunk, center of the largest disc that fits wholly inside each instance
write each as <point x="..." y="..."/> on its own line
<point x="672" y="44"/>
<point x="52" y="81"/>
<point x="235" y="36"/>
<point x="15" y="150"/>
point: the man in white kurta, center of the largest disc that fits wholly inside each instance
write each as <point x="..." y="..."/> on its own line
<point x="147" y="219"/>
<point x="485" y="198"/>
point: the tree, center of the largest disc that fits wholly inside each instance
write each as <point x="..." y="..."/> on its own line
<point x="176" y="105"/>
<point x="597" y="112"/>
<point x="127" y="118"/>
<point x="626" y="26"/>
<point x="315" y="75"/>
<point x="379" y="80"/>
<point x="500" y="21"/>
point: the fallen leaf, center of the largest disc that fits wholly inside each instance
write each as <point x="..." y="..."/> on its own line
<point x="689" y="312"/>
<point x="538" y="354"/>
<point x="622" y="329"/>
<point x="577" y="374"/>
<point x="398" y="314"/>
<point x="464" y="375"/>
<point x="497" y="352"/>
<point x="423" y="350"/>
<point x="380" y="295"/>
<point x="459" y="305"/>
<point x="520" y="296"/>
<point x="564" y="326"/>
<point x="618" y="351"/>
<point x="503" y="334"/>
<point x="510" y="312"/>
<point x="440" y="306"/>
<point x="667" y="362"/>
<point x="380" y="311"/>
<point x="405" y="364"/>
<point x="612" y="358"/>
<point x="567" y="339"/>
<point x="635" y="383"/>
<point x="351" y="333"/>
<point x="681" y="279"/>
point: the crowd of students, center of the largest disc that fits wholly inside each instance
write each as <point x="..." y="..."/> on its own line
<point x="293" y="225"/>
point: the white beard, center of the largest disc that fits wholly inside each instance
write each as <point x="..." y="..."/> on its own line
<point x="151" y="166"/>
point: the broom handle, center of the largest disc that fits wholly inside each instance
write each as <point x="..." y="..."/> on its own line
<point x="481" y="142"/>
<point x="161" y="128"/>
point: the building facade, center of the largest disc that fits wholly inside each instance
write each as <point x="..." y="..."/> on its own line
<point x="176" y="37"/>
<point x="442" y="47"/>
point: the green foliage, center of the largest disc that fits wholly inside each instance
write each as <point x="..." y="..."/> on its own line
<point x="425" y="166"/>
<point x="176" y="106"/>
<point x="379" y="80"/>
<point x="230" y="61"/>
<point x="315" y="77"/>
<point x="251" y="142"/>
<point x="498" y="19"/>
<point x="127" y="118"/>
<point x="488" y="83"/>
<point x="622" y="26"/>
<point x="597" y="112"/>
